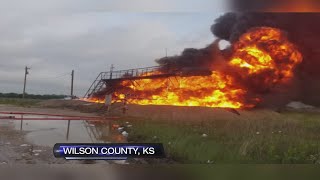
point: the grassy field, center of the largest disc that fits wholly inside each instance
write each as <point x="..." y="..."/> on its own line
<point x="19" y="101"/>
<point x="253" y="137"/>
<point x="291" y="137"/>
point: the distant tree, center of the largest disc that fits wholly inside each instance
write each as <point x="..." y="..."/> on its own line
<point x="32" y="96"/>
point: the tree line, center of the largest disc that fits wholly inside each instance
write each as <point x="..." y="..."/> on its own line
<point x="32" y="96"/>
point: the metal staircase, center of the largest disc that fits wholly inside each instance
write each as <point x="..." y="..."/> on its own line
<point x="105" y="80"/>
<point x="96" y="86"/>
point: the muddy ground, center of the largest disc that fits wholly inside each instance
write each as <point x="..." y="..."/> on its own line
<point x="15" y="148"/>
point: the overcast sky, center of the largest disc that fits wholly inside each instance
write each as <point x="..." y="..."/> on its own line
<point x="55" y="36"/>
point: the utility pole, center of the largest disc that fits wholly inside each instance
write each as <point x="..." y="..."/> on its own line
<point x="26" y="72"/>
<point x="166" y="52"/>
<point x="72" y="76"/>
<point x="111" y="69"/>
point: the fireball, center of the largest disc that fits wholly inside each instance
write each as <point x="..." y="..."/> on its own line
<point x="262" y="58"/>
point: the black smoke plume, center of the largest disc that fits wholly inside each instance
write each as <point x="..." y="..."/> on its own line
<point x="193" y="58"/>
<point x="303" y="29"/>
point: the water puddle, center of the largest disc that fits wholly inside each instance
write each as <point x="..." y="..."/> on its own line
<point x="49" y="132"/>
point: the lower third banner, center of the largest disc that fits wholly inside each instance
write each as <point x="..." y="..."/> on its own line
<point x="112" y="151"/>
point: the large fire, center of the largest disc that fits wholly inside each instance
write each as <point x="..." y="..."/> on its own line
<point x="262" y="58"/>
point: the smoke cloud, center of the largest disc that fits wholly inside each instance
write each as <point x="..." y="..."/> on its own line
<point x="274" y="5"/>
<point x="193" y="58"/>
<point x="302" y="29"/>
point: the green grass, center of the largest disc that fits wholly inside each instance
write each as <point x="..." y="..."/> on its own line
<point x="19" y="102"/>
<point x="289" y="138"/>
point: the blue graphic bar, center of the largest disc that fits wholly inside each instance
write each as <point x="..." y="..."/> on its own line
<point x="112" y="151"/>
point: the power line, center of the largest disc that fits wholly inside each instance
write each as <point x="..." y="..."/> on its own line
<point x="57" y="76"/>
<point x="64" y="74"/>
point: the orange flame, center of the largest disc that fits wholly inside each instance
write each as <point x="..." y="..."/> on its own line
<point x="209" y="91"/>
<point x="93" y="100"/>
<point x="262" y="56"/>
<point x="266" y="49"/>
